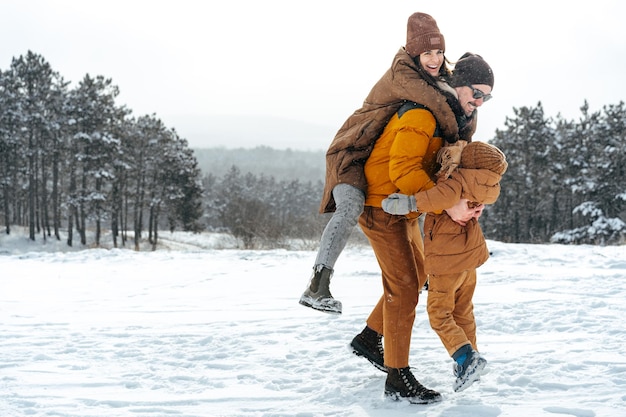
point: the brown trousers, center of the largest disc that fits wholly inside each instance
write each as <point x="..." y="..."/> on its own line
<point x="450" y="308"/>
<point x="399" y="249"/>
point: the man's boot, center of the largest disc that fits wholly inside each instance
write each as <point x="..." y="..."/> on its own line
<point x="402" y="385"/>
<point x="369" y="344"/>
<point x="317" y="295"/>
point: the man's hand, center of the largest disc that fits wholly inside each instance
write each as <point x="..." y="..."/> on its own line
<point x="449" y="157"/>
<point x="399" y="204"/>
<point x="461" y="212"/>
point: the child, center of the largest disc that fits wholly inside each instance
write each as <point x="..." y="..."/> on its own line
<point x="454" y="251"/>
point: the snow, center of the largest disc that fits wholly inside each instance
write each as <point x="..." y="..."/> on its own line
<point x="203" y="330"/>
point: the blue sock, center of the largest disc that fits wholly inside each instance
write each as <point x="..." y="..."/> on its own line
<point x="461" y="354"/>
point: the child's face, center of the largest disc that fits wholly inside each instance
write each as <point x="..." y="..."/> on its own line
<point x="478" y="209"/>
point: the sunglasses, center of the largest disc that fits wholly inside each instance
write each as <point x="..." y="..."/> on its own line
<point x="477" y="94"/>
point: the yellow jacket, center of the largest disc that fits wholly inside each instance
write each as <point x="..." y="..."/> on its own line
<point x="404" y="159"/>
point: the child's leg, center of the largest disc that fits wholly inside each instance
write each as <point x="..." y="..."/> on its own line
<point x="464" y="307"/>
<point x="441" y="307"/>
<point x="451" y="314"/>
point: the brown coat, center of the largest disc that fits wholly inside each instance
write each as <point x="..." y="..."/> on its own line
<point x="355" y="140"/>
<point x="478" y="185"/>
<point x="450" y="248"/>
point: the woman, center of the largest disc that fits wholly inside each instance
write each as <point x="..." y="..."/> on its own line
<point x="412" y="77"/>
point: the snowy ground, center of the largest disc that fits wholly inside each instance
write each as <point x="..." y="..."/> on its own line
<point x="219" y="332"/>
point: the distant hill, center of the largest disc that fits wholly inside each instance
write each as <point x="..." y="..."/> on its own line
<point x="209" y="131"/>
<point x="280" y="164"/>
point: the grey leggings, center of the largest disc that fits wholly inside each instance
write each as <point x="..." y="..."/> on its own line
<point x="349" y="201"/>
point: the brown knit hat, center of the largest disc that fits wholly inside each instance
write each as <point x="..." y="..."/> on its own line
<point x="481" y="155"/>
<point x="422" y="35"/>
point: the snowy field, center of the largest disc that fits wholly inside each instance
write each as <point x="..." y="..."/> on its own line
<point x="204" y="332"/>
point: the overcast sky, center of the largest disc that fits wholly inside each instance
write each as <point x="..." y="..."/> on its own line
<point x="238" y="67"/>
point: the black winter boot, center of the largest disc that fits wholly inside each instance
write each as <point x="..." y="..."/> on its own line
<point x="402" y="385"/>
<point x="317" y="295"/>
<point x="369" y="344"/>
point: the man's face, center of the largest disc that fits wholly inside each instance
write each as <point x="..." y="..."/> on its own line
<point x="467" y="96"/>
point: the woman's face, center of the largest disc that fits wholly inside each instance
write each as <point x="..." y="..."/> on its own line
<point x="432" y="61"/>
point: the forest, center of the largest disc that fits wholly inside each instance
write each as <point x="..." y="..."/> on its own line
<point x="565" y="183"/>
<point x="566" y="180"/>
<point x="72" y="160"/>
<point x="74" y="164"/>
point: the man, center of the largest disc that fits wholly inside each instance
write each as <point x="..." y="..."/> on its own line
<point x="404" y="160"/>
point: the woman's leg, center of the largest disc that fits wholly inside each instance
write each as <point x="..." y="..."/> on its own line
<point x="349" y="201"/>
<point x="349" y="206"/>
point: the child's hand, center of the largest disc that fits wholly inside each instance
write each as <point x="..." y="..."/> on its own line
<point x="461" y="212"/>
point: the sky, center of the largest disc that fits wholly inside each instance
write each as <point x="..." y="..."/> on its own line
<point x="287" y="74"/>
<point x="197" y="331"/>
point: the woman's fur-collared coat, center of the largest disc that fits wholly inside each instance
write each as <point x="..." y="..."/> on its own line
<point x="355" y="140"/>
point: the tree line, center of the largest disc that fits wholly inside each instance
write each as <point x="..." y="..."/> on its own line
<point x="566" y="180"/>
<point x="72" y="159"/>
<point x="566" y="183"/>
<point x="263" y="212"/>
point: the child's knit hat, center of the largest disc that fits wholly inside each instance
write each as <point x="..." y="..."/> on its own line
<point x="481" y="155"/>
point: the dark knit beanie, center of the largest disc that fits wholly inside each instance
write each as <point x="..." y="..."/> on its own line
<point x="422" y="35"/>
<point x="481" y="155"/>
<point x="471" y="69"/>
